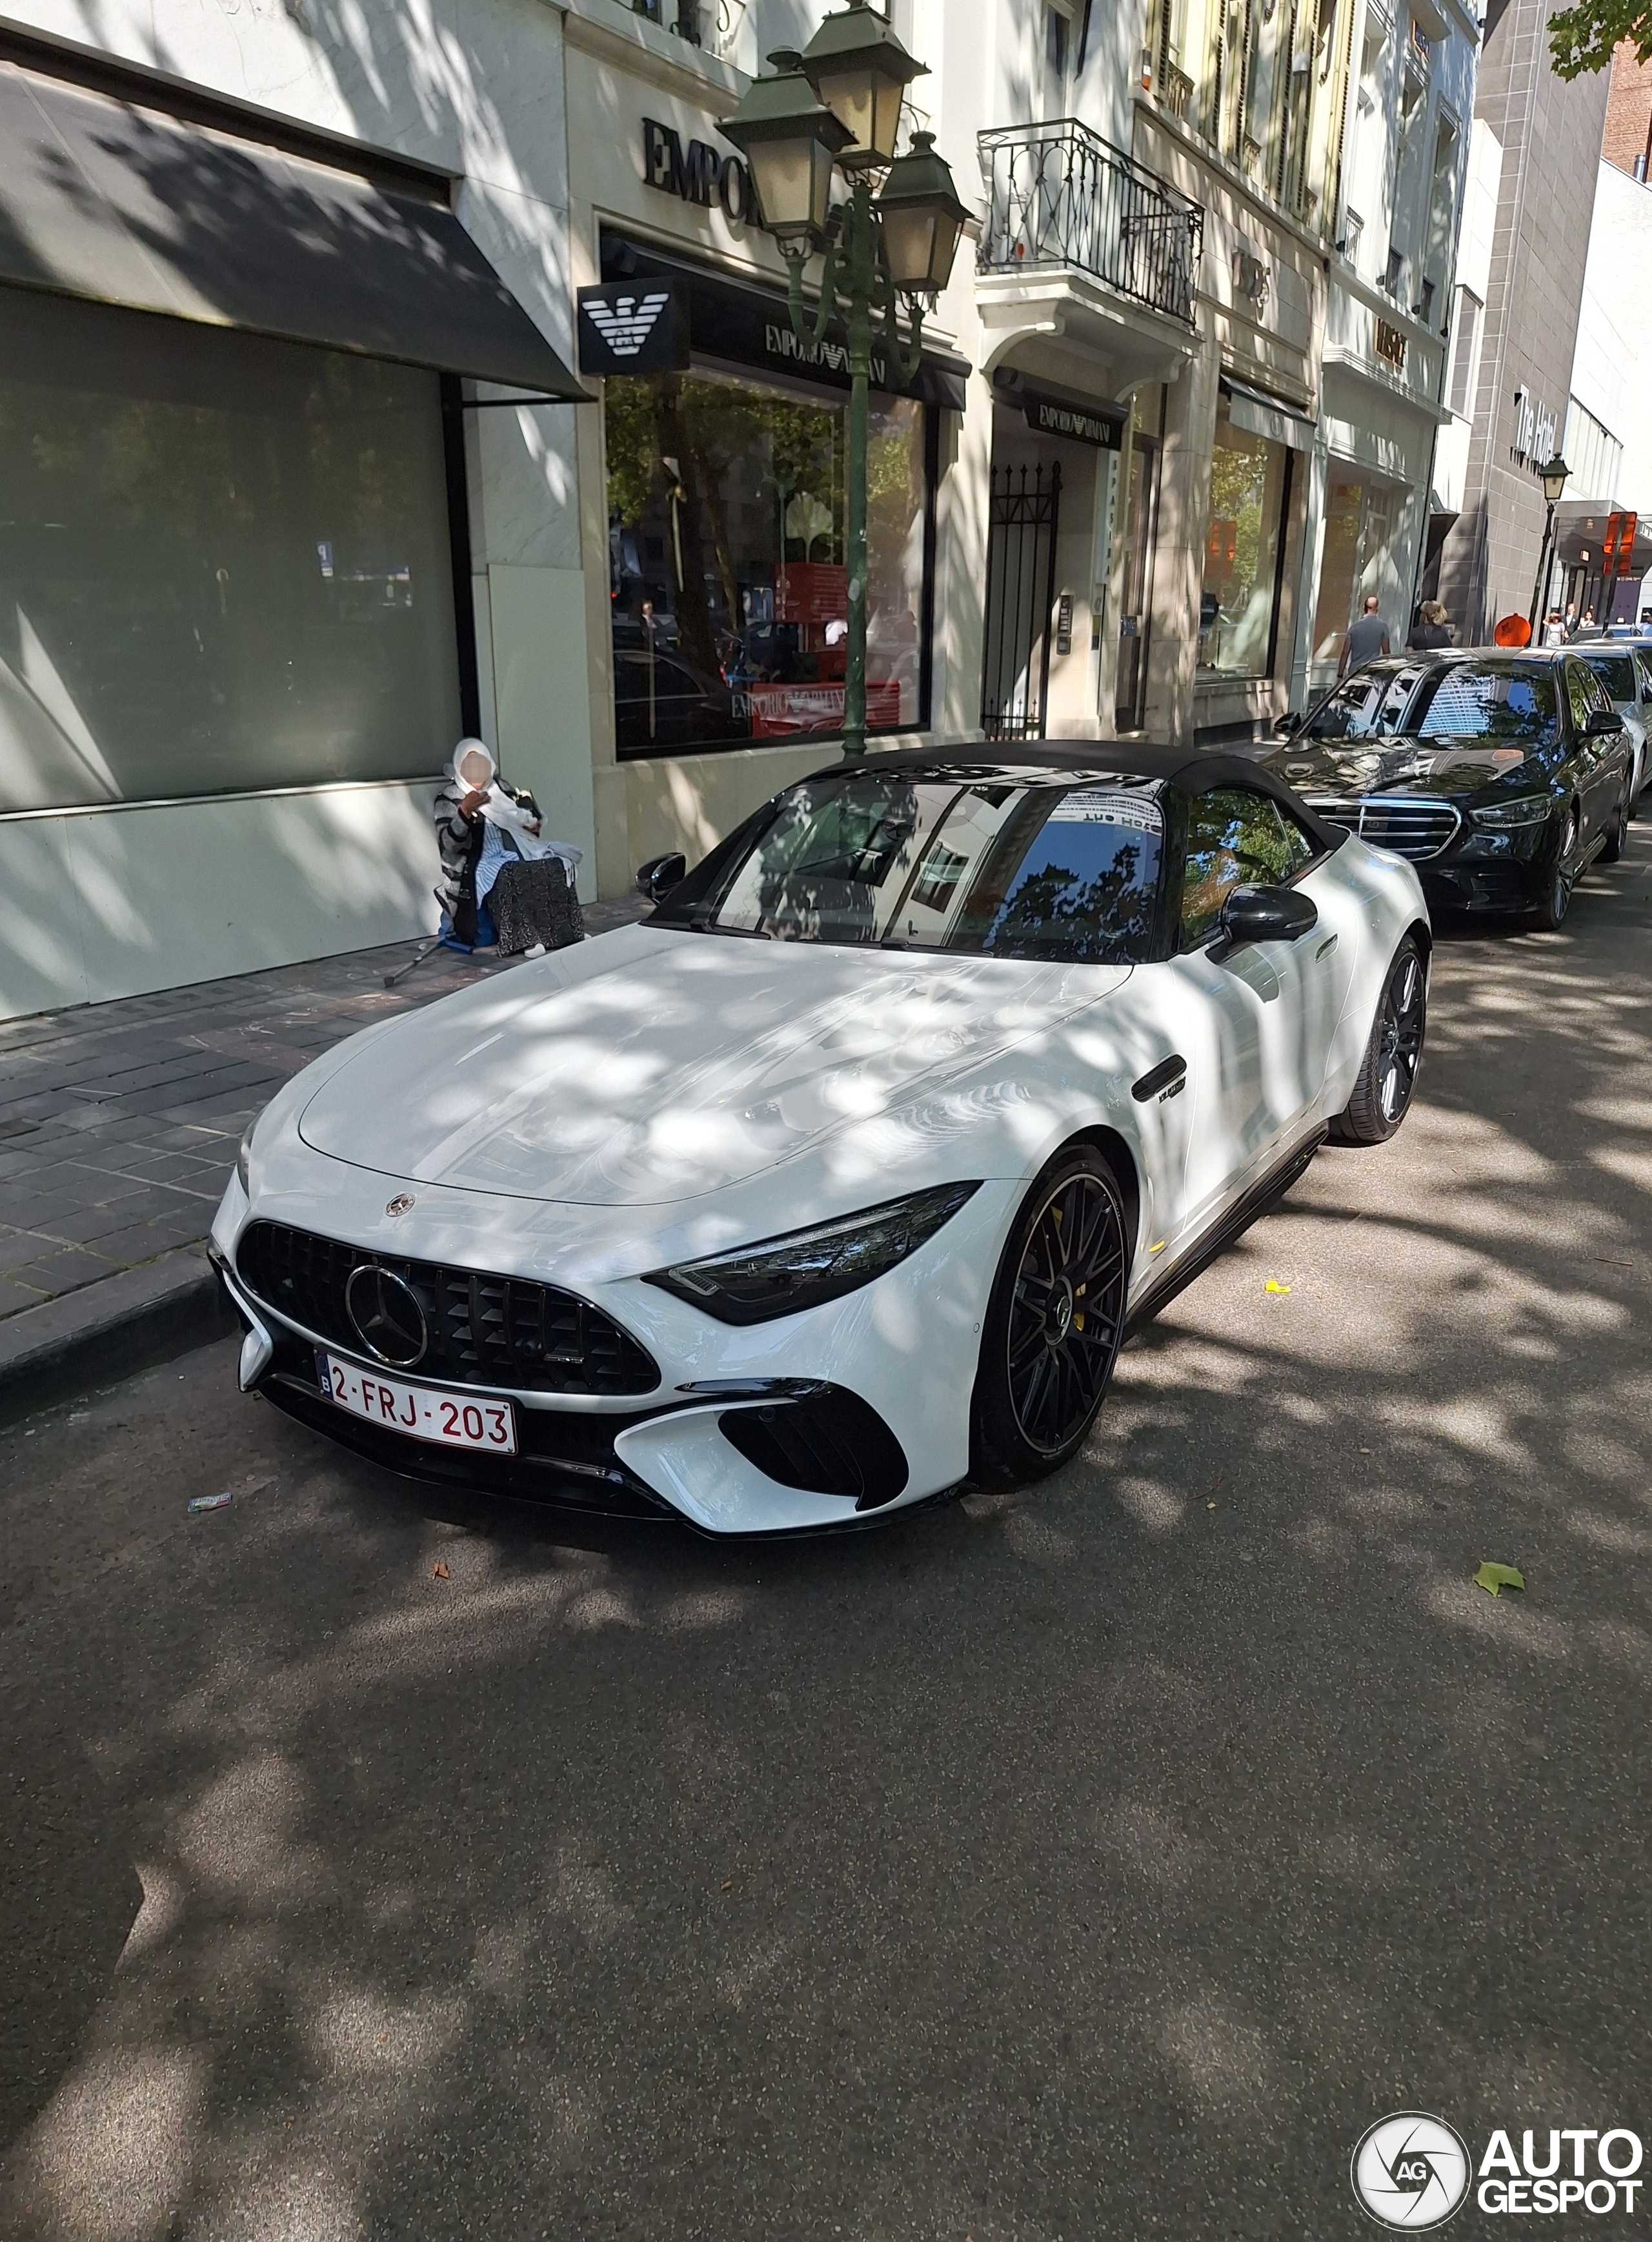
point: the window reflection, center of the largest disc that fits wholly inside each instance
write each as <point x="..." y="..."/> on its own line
<point x="1242" y="553"/>
<point x="1235" y="839"/>
<point x="729" y="592"/>
<point x="1039" y="870"/>
<point x="225" y="562"/>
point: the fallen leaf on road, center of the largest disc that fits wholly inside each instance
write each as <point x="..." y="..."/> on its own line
<point x="439" y="1571"/>
<point x="730" y="1885"/>
<point x="1495" y="1578"/>
<point x="1274" y="1286"/>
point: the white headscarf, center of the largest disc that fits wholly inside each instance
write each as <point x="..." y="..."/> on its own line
<point x="499" y="810"/>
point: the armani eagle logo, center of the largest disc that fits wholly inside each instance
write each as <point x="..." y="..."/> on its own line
<point x="626" y="324"/>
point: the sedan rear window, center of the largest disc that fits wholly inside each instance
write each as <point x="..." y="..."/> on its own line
<point x="1489" y="701"/>
<point x="1616" y="673"/>
<point x="1008" y="869"/>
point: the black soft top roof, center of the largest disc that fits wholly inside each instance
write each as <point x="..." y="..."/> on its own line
<point x="1061" y="760"/>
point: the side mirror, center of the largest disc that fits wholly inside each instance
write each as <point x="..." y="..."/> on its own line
<point x="660" y="874"/>
<point x="1603" y="721"/>
<point x="1289" y="723"/>
<point x="1266" y="914"/>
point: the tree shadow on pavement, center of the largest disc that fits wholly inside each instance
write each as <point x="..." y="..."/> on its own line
<point x="1102" y="1857"/>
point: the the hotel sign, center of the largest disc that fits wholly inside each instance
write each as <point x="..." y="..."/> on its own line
<point x="1391" y="344"/>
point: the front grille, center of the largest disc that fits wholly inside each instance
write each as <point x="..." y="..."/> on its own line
<point x="482" y="1330"/>
<point x="1411" y="826"/>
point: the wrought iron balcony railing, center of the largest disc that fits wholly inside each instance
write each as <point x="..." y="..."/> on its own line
<point x="1061" y="195"/>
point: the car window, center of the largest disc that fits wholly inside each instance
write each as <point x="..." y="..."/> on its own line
<point x="1075" y="877"/>
<point x="1234" y="838"/>
<point x="1615" y="672"/>
<point x="1010" y="868"/>
<point x="1364" y="706"/>
<point x="1489" y="701"/>
<point x="1579" y="697"/>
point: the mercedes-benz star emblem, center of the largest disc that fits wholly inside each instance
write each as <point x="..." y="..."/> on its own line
<point x="387" y="1317"/>
<point x="401" y="1204"/>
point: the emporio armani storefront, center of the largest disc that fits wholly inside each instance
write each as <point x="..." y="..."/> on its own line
<point x="726" y="443"/>
<point x="720" y="550"/>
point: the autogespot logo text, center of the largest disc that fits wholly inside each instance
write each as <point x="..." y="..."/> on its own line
<point x="1411" y="2171"/>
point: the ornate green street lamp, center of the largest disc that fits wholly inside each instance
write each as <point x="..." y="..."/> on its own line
<point x="1553" y="475"/>
<point x="837" y="105"/>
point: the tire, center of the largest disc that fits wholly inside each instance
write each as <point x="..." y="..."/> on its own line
<point x="1550" y="913"/>
<point x="1617" y="833"/>
<point x="1053" y="1323"/>
<point x="1387" y="1076"/>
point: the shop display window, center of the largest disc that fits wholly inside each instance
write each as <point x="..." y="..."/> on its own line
<point x="1356" y="557"/>
<point x="1243" y="554"/>
<point x="727" y="582"/>
<point x="225" y="563"/>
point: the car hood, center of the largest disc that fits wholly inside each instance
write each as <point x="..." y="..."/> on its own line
<point x="649" y="1065"/>
<point x="1446" y="766"/>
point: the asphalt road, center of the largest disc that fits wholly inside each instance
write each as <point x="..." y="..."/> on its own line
<point x="1102" y="1859"/>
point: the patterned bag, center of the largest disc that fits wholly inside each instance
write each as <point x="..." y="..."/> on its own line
<point x="534" y="903"/>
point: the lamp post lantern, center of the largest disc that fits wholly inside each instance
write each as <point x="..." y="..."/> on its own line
<point x="837" y="105"/>
<point x="1553" y="475"/>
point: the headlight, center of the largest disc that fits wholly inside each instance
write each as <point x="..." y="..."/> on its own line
<point x="1525" y="809"/>
<point x="779" y="1276"/>
<point x="243" y="1159"/>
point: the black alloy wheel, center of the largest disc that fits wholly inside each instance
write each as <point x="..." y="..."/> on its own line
<point x="1557" y="896"/>
<point x="1387" y="1076"/>
<point x="1055" y="1320"/>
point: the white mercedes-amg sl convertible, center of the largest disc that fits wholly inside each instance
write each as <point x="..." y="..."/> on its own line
<point x="833" y="1185"/>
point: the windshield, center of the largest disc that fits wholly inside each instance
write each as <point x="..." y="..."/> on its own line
<point x="1616" y="673"/>
<point x="1366" y="706"/>
<point x="1489" y="701"/>
<point x="999" y="868"/>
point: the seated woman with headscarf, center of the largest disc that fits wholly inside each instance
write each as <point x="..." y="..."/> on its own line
<point x="499" y="880"/>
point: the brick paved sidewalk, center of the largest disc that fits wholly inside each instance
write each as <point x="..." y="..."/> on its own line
<point x="119" y="1122"/>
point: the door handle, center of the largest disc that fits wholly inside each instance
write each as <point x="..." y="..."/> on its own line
<point x="1168" y="1078"/>
<point x="1325" y="949"/>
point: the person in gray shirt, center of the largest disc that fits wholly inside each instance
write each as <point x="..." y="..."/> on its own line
<point x="1367" y="638"/>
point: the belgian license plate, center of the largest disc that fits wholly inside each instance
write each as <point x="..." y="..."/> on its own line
<point x="422" y="1413"/>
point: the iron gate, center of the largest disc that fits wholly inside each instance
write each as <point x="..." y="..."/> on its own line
<point x="1021" y="595"/>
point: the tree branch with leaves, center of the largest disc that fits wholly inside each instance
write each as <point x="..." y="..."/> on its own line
<point x="1581" y="39"/>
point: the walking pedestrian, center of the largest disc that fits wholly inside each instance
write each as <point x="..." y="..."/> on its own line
<point x="1367" y="637"/>
<point x="1553" y="628"/>
<point x="1431" y="629"/>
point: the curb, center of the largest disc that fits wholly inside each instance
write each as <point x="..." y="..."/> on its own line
<point x="127" y="1322"/>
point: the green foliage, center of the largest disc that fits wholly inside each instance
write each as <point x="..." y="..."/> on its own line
<point x="1581" y="39"/>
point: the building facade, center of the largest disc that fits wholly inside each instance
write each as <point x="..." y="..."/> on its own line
<point x="1608" y="443"/>
<point x="1548" y="133"/>
<point x="265" y="276"/>
<point x="565" y="474"/>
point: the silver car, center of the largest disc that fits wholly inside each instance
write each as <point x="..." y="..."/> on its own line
<point x="1626" y="671"/>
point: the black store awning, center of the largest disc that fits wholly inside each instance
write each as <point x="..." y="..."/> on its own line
<point x="750" y="325"/>
<point x="126" y="205"/>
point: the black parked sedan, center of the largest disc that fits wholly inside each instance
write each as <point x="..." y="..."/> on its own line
<point x="1502" y="776"/>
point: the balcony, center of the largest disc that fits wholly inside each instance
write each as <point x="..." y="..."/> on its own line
<point x="717" y="25"/>
<point x="1062" y="199"/>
